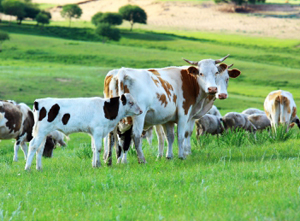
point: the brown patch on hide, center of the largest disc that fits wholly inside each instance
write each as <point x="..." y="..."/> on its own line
<point x="127" y="120"/>
<point x="155" y="72"/>
<point x="111" y="108"/>
<point x="294" y="112"/>
<point x="275" y="96"/>
<point x="167" y="87"/>
<point x="190" y="88"/>
<point x="126" y="90"/>
<point x="53" y="112"/>
<point x="174" y="98"/>
<point x="66" y="118"/>
<point x="13" y="115"/>
<point x="156" y="82"/>
<point x="122" y="86"/>
<point x="162" y="98"/>
<point x="107" y="81"/>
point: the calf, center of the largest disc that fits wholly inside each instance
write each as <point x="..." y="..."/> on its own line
<point x="251" y="111"/>
<point x="260" y="121"/>
<point x="210" y="124"/>
<point x="280" y="108"/>
<point x="234" y="120"/>
<point x="95" y="116"/>
<point x="16" y="122"/>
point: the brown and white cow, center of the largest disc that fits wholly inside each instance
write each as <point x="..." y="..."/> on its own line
<point x="166" y="96"/>
<point x="95" y="116"/>
<point x="280" y="108"/>
<point x="16" y="122"/>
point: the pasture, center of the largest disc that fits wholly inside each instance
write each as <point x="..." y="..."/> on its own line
<point x="230" y="178"/>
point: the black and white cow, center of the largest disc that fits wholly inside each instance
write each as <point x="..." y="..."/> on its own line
<point x="95" y="116"/>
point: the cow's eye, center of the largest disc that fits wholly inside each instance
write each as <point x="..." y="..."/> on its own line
<point x="201" y="74"/>
<point x="217" y="72"/>
<point x="130" y="103"/>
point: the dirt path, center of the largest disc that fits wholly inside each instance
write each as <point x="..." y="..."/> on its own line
<point x="199" y="17"/>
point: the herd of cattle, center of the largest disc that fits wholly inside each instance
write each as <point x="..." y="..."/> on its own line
<point x="136" y="100"/>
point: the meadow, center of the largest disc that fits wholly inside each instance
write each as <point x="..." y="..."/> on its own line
<point x="230" y="178"/>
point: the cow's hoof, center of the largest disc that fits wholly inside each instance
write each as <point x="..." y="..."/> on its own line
<point x="142" y="161"/>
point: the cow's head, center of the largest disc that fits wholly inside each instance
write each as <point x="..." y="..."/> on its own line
<point x="207" y="71"/>
<point x="130" y="104"/>
<point x="222" y="79"/>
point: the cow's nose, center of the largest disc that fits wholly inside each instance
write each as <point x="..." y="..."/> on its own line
<point x="222" y="96"/>
<point x="212" y="90"/>
<point x="141" y="111"/>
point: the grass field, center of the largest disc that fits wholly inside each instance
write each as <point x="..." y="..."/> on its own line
<point x="231" y="178"/>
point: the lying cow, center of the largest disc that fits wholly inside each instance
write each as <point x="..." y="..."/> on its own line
<point x="214" y="111"/>
<point x="95" y="116"/>
<point x="234" y="120"/>
<point x="280" y="108"/>
<point x="209" y="124"/>
<point x="260" y="121"/>
<point x="251" y="111"/>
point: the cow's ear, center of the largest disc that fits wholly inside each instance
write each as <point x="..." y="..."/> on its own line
<point x="222" y="67"/>
<point x="193" y="70"/>
<point x="123" y="99"/>
<point x="234" y="73"/>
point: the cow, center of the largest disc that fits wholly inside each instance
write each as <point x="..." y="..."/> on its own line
<point x="234" y="120"/>
<point x="251" y="111"/>
<point x="214" y="111"/>
<point x="95" y="116"/>
<point x="280" y="108"/>
<point x="53" y="139"/>
<point x="209" y="124"/>
<point x="16" y="122"/>
<point x="260" y="121"/>
<point x="170" y="95"/>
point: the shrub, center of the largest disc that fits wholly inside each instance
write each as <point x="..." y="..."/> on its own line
<point x="42" y="18"/>
<point x="107" y="32"/>
<point x="109" y="17"/>
<point x="133" y="14"/>
<point x="96" y="17"/>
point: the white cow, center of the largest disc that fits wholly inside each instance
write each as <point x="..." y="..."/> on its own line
<point x="214" y="111"/>
<point x="209" y="124"/>
<point x="251" y="111"/>
<point x="95" y="116"/>
<point x="280" y="108"/>
<point x="234" y="120"/>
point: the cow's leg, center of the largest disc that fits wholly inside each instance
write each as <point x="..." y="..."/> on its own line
<point x="24" y="148"/>
<point x="169" y="132"/>
<point x="127" y="138"/>
<point x="161" y="140"/>
<point x="109" y="142"/>
<point x="137" y="130"/>
<point x="181" y="129"/>
<point x="187" y="135"/>
<point x="34" y="144"/>
<point x="97" y="145"/>
<point x="120" y="147"/>
<point x="39" y="155"/>
<point x="16" y="149"/>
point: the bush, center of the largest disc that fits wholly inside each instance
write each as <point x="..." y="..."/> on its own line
<point x="42" y="18"/>
<point x="107" y="32"/>
<point x="133" y="14"/>
<point x="3" y="37"/>
<point x="14" y="8"/>
<point x="31" y="11"/>
<point x="109" y="17"/>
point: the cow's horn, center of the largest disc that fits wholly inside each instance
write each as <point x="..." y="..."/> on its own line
<point x="222" y="59"/>
<point x="191" y="62"/>
<point x="229" y="66"/>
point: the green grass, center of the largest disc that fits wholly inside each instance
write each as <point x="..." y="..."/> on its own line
<point x="231" y="178"/>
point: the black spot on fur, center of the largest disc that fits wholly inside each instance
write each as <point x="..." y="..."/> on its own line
<point x="28" y="125"/>
<point x="126" y="137"/>
<point x="53" y="112"/>
<point x="18" y="141"/>
<point x="49" y="146"/>
<point x="36" y="105"/>
<point x="42" y="113"/>
<point x="123" y="99"/>
<point x="111" y="108"/>
<point x="65" y="118"/>
<point x="13" y="115"/>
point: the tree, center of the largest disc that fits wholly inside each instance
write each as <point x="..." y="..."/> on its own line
<point x="71" y="11"/>
<point x="133" y="14"/>
<point x="3" y="36"/>
<point x="109" y="17"/>
<point x="31" y="11"/>
<point x="107" y="32"/>
<point x="42" y="18"/>
<point x="14" y="8"/>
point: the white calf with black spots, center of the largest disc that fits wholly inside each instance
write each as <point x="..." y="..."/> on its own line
<point x="95" y="116"/>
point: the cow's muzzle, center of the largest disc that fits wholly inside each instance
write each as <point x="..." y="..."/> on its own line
<point x="212" y="90"/>
<point x="222" y="96"/>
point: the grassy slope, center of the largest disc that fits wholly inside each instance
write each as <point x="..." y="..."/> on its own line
<point x="226" y="179"/>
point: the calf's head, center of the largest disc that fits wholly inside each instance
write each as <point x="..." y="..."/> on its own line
<point x="222" y="79"/>
<point x="130" y="105"/>
<point x="207" y="71"/>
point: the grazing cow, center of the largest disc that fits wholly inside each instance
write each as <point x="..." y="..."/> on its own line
<point x="209" y="124"/>
<point x="170" y="95"/>
<point x="95" y="116"/>
<point x="54" y="138"/>
<point x="16" y="122"/>
<point x="280" y="108"/>
<point x="251" y="111"/>
<point x="214" y="111"/>
<point x="260" y="121"/>
<point x="234" y="120"/>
